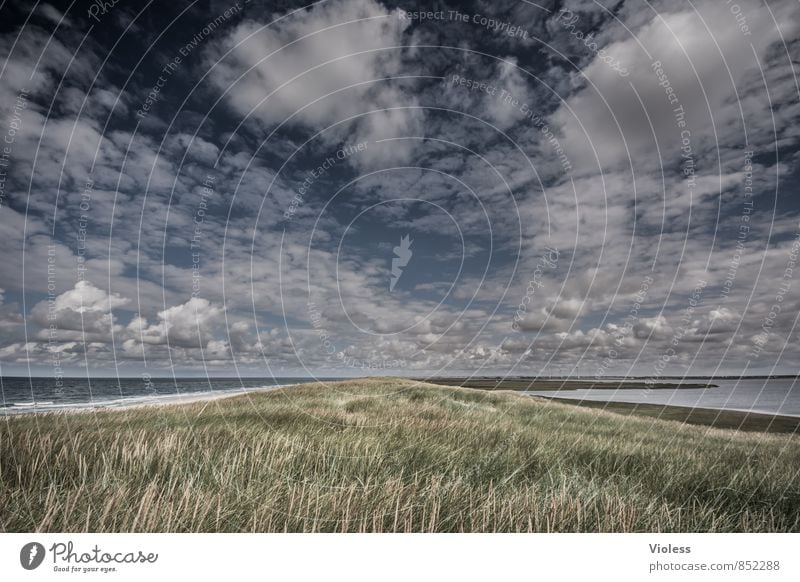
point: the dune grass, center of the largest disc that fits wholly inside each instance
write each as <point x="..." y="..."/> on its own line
<point x="389" y="455"/>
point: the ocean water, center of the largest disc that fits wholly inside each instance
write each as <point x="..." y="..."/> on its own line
<point x="24" y="395"/>
<point x="771" y="396"/>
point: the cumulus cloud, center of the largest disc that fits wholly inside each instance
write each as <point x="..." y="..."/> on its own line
<point x="85" y="310"/>
<point x="189" y="325"/>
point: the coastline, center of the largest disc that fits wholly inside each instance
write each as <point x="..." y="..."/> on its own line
<point x="721" y="418"/>
<point x="134" y="402"/>
<point x="522" y="384"/>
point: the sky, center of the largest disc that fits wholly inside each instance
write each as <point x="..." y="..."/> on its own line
<point x="355" y="187"/>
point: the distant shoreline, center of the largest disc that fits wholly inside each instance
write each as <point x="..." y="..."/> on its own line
<point x="525" y="384"/>
<point x="711" y="417"/>
<point x="718" y="417"/>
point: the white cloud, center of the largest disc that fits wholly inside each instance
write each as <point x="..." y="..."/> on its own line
<point x="189" y="325"/>
<point x="706" y="60"/>
<point x="84" y="309"/>
<point x="272" y="72"/>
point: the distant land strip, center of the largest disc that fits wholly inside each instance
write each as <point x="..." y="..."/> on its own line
<point x="519" y="383"/>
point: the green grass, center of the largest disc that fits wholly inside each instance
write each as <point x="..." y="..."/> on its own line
<point x="386" y="455"/>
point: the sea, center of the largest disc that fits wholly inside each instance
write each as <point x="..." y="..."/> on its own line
<point x="20" y="395"/>
<point x="766" y="395"/>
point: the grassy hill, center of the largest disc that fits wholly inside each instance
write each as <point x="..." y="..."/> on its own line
<point x="389" y="455"/>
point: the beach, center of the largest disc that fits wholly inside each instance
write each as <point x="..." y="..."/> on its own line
<point x="39" y="395"/>
<point x="133" y="402"/>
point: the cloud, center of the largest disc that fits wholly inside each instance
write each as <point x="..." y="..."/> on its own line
<point x="706" y="63"/>
<point x="54" y="16"/>
<point x="294" y="70"/>
<point x="616" y="221"/>
<point x="84" y="309"/>
<point x="189" y="325"/>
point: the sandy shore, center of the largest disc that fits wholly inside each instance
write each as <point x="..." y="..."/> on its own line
<point x="137" y="402"/>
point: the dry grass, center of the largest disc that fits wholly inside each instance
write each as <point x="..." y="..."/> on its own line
<point x="385" y="455"/>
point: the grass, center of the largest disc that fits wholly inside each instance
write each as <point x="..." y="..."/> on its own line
<point x="522" y="384"/>
<point x="389" y="455"/>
